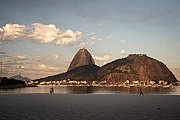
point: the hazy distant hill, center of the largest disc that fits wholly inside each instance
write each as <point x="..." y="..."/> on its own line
<point x="19" y="77"/>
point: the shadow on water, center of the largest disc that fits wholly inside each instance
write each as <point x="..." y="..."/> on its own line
<point x="93" y="90"/>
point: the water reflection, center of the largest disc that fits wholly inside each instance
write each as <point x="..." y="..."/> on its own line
<point x="93" y="90"/>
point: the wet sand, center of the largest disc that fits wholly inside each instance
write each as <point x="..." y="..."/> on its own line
<point x="89" y="107"/>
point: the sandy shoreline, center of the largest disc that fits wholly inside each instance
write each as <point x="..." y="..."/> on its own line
<point x="88" y="107"/>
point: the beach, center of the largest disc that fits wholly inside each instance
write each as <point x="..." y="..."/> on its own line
<point x="89" y="107"/>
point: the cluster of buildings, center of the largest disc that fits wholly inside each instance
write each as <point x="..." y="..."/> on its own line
<point x="127" y="83"/>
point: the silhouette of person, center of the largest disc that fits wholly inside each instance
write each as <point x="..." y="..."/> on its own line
<point x="141" y="93"/>
<point x="52" y="90"/>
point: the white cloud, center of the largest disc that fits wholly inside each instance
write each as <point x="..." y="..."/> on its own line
<point x="53" y="68"/>
<point x="68" y="36"/>
<point x="5" y="55"/>
<point x="44" y="33"/>
<point x="122" y="41"/>
<point x="42" y="66"/>
<point x="92" y="43"/>
<point x="20" y="57"/>
<point x="9" y="63"/>
<point x="92" y="33"/>
<point x="104" y="58"/>
<point x="123" y="52"/>
<point x="49" y="59"/>
<point x="11" y="32"/>
<point x="93" y="38"/>
<point x="108" y="37"/>
<point x="39" y="33"/>
<point x="56" y="57"/>
<point x="80" y="44"/>
<point x="36" y="58"/>
<point x="99" y="39"/>
<point x="57" y="69"/>
<point x="131" y="45"/>
<point x="63" y="68"/>
<point x="79" y="34"/>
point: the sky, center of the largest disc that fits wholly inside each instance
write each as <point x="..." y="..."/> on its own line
<point x="39" y="38"/>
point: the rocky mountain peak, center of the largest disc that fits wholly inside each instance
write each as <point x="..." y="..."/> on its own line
<point x="82" y="57"/>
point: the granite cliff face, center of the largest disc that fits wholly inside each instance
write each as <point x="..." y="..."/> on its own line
<point x="135" y="67"/>
<point x="82" y="57"/>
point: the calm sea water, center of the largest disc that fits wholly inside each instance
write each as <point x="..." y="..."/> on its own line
<point x="92" y="90"/>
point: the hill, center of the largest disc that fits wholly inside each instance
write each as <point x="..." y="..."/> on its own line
<point x="19" y="77"/>
<point x="82" y="57"/>
<point x="83" y="73"/>
<point x="135" y="67"/>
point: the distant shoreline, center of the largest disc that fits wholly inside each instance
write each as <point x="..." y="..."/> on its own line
<point x="93" y="90"/>
<point x="89" y="94"/>
<point x="16" y="86"/>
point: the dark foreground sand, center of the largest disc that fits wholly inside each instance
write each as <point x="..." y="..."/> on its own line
<point x="89" y="107"/>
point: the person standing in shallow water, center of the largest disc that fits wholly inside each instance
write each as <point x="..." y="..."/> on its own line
<point x="141" y="93"/>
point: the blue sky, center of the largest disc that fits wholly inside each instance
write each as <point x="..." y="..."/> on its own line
<point x="42" y="36"/>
